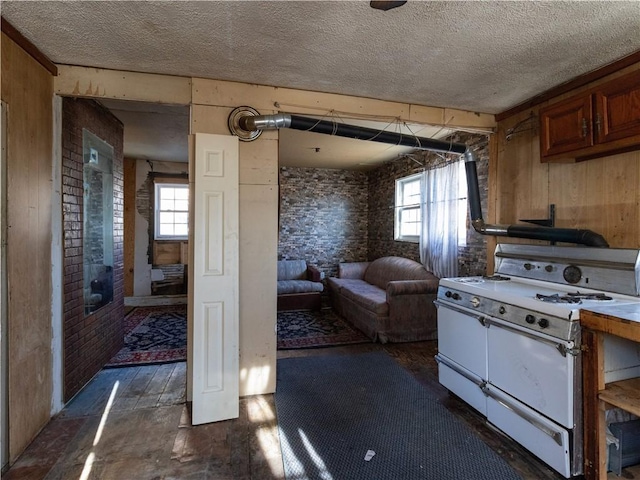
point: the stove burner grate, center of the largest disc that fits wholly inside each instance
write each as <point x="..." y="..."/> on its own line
<point x="496" y="278"/>
<point x="576" y="297"/>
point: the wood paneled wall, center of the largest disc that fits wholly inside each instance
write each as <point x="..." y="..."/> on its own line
<point x="129" y="171"/>
<point x="27" y="89"/>
<point x="602" y="194"/>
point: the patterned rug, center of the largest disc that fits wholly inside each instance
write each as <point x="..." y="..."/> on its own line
<point x="153" y="335"/>
<point x="309" y="329"/>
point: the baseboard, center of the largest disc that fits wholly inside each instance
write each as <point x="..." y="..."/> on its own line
<point x="153" y="300"/>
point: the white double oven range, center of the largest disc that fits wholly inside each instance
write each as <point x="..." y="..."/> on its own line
<point x="509" y="344"/>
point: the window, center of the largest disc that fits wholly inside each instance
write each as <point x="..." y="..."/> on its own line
<point x="407" y="224"/>
<point x="408" y="218"/>
<point x="171" y="211"/>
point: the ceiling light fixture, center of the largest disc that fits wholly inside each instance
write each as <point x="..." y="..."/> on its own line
<point x="386" y="5"/>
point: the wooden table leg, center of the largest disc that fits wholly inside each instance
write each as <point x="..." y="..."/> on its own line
<point x="595" y="467"/>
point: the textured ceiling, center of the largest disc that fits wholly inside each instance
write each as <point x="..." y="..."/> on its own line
<point x="481" y="56"/>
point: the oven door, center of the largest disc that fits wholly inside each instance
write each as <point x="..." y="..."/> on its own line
<point x="463" y="383"/>
<point x="542" y="437"/>
<point x="535" y="368"/>
<point x="462" y="337"/>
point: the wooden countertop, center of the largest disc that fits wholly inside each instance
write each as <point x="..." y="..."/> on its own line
<point x="620" y="320"/>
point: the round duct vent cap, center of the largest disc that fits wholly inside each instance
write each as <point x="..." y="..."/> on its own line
<point x="234" y="126"/>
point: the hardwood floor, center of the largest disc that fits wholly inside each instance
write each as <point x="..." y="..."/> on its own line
<point x="133" y="423"/>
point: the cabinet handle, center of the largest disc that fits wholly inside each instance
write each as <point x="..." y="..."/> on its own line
<point x="585" y="128"/>
<point x="598" y="123"/>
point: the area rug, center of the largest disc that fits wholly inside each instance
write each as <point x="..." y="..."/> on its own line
<point x="315" y="328"/>
<point x="153" y="335"/>
<point x="363" y="417"/>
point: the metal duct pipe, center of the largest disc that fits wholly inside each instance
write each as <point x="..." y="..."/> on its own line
<point x="250" y="123"/>
<point x="551" y="234"/>
<point x="296" y="122"/>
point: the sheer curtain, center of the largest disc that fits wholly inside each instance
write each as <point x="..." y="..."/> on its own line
<point x="440" y="207"/>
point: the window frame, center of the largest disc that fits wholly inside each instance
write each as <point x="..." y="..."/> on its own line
<point x="158" y="186"/>
<point x="400" y="207"/>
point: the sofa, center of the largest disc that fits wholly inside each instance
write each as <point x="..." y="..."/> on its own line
<point x="299" y="286"/>
<point x="389" y="299"/>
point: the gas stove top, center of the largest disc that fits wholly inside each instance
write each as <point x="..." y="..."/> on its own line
<point x="544" y="288"/>
<point x="564" y="301"/>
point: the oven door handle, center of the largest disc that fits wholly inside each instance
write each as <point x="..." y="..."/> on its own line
<point x="561" y="347"/>
<point x="556" y="436"/>
<point x="481" y="318"/>
<point x="445" y="361"/>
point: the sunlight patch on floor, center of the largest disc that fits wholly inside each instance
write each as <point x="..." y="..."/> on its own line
<point x="105" y="414"/>
<point x="296" y="468"/>
<point x="259" y="410"/>
<point x="268" y="440"/>
<point x="315" y="457"/>
<point x="86" y="470"/>
<point x="295" y="465"/>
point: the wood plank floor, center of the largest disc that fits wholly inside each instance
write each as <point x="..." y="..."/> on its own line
<point x="133" y="423"/>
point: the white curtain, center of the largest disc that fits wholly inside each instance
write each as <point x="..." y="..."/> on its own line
<point x="439" y="213"/>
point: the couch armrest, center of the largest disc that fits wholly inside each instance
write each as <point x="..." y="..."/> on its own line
<point x="411" y="287"/>
<point x="313" y="274"/>
<point x="354" y="270"/>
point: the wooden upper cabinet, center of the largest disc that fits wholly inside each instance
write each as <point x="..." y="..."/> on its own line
<point x="618" y="109"/>
<point x="566" y="126"/>
<point x="602" y="121"/>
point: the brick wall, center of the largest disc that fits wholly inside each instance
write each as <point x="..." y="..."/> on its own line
<point x="89" y="341"/>
<point x="323" y="217"/>
<point x="382" y="188"/>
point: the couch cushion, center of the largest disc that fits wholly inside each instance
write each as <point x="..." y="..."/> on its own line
<point x="298" y="286"/>
<point x="336" y="284"/>
<point x="385" y="269"/>
<point x="292" y="270"/>
<point x="366" y="295"/>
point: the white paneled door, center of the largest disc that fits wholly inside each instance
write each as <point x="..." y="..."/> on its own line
<point x="213" y="305"/>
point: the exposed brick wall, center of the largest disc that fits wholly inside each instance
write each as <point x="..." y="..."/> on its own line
<point x="89" y="341"/>
<point x="323" y="217"/>
<point x="472" y="258"/>
<point x="382" y="188"/>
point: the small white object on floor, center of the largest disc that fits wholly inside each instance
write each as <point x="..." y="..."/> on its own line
<point x="369" y="455"/>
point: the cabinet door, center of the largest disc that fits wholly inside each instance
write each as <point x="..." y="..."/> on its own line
<point x="566" y="126"/>
<point x="618" y="109"/>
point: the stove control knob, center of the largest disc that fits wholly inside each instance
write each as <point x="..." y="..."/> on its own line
<point x="543" y="323"/>
<point x="456" y="296"/>
<point x="549" y="268"/>
<point x="475" y="302"/>
<point x="530" y="319"/>
<point x="448" y="294"/>
<point x="502" y="310"/>
<point x="528" y="266"/>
